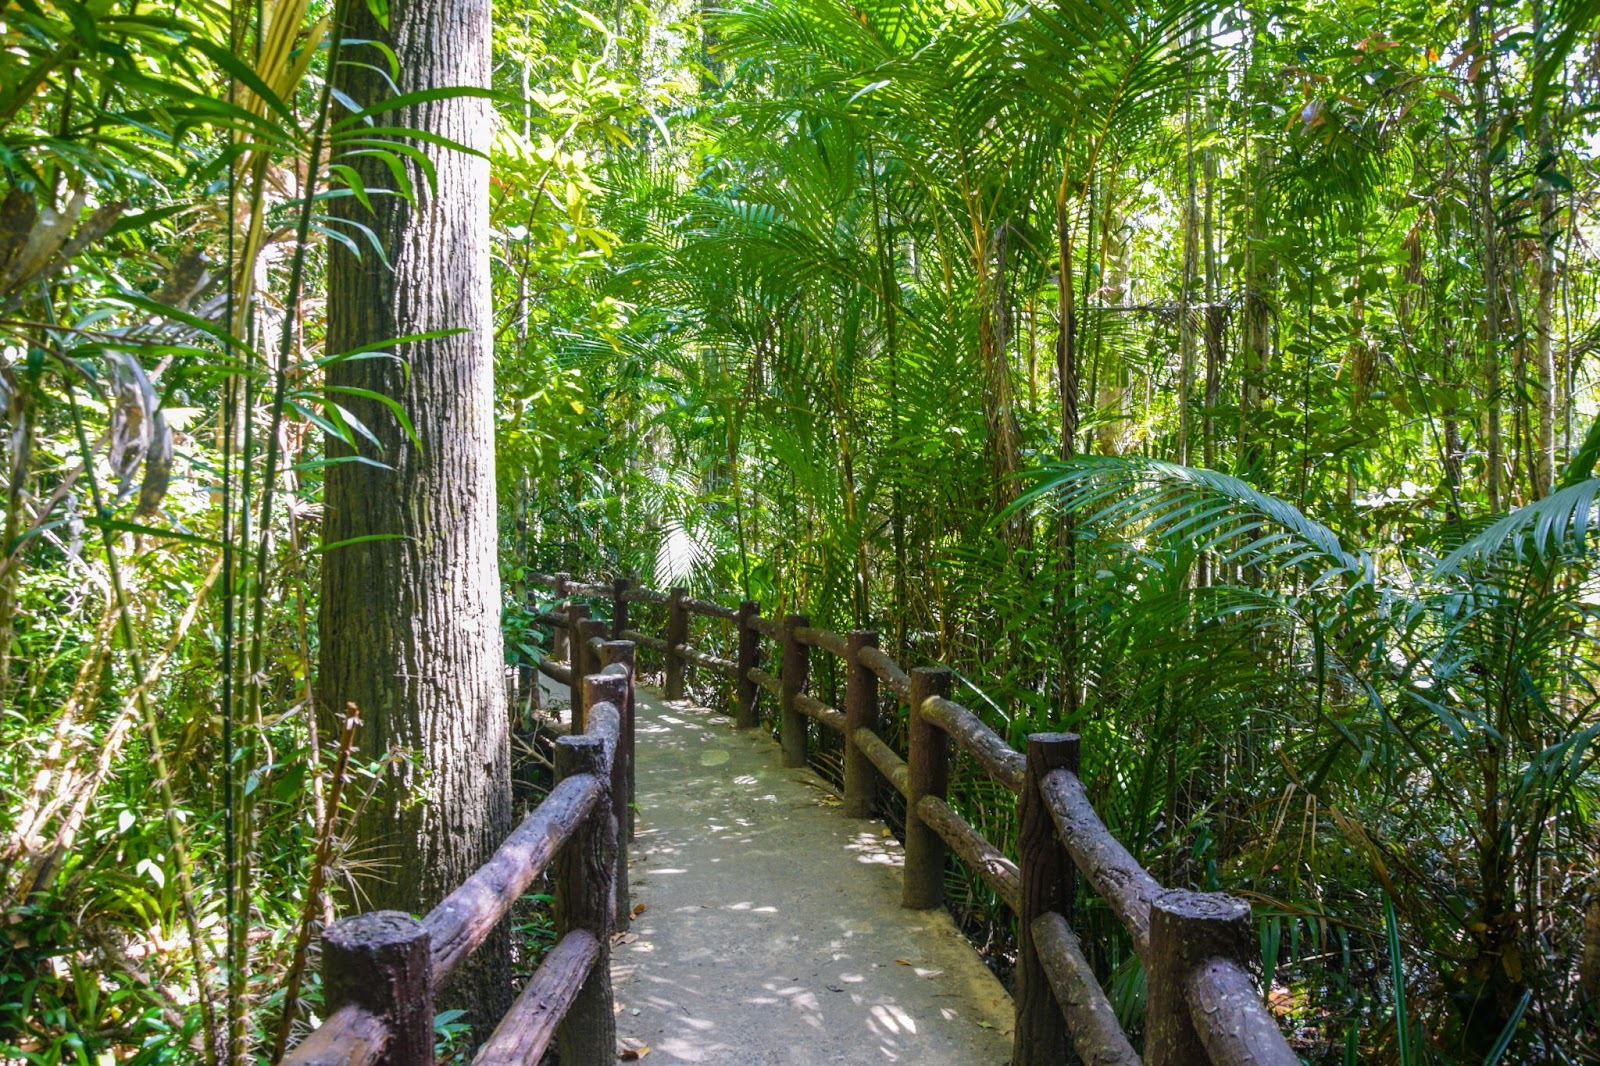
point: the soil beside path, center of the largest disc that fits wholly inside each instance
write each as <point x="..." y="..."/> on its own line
<point x="772" y="931"/>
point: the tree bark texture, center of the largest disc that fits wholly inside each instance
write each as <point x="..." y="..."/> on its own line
<point x="410" y="624"/>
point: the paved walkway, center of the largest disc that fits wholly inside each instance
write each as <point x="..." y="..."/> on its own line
<point x="772" y="931"/>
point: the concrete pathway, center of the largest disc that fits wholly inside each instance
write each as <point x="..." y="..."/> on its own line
<point x="772" y="931"/>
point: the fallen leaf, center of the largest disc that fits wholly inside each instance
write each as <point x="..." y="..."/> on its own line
<point x="638" y="909"/>
<point x="624" y="938"/>
<point x="985" y="1025"/>
<point x="901" y="962"/>
<point x="634" y="1054"/>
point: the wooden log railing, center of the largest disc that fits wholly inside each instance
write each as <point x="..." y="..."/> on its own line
<point x="1204" y="1006"/>
<point x="382" y="969"/>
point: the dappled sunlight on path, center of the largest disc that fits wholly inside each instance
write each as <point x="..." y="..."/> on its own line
<point x="772" y="930"/>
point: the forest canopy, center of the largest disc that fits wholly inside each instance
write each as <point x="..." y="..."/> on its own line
<point x="1214" y="381"/>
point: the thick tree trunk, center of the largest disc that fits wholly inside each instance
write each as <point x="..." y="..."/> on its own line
<point x="410" y="624"/>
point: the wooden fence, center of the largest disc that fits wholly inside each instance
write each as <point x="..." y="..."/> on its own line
<point x="382" y="969"/>
<point x="1203" y="1005"/>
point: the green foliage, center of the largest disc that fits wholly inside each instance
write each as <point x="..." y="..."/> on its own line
<point x="1134" y="360"/>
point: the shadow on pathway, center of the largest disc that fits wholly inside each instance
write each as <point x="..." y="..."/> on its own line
<point x="772" y="931"/>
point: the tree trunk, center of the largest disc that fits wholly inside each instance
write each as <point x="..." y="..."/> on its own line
<point x="1257" y="356"/>
<point x="1214" y="313"/>
<point x="410" y="623"/>
<point x="1191" y="269"/>
<point x="1549" y="232"/>
<point x="1483" y="181"/>
<point x="994" y="339"/>
<point x="1067" y="381"/>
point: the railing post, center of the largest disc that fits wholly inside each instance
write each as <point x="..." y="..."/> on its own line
<point x="748" y="717"/>
<point x="558" y="640"/>
<point x="613" y="689"/>
<point x="576" y="613"/>
<point x="587" y="1036"/>
<point x="624" y="652"/>
<point x="619" y="607"/>
<point x="585" y="657"/>
<point x="677" y="633"/>
<point x="860" y="709"/>
<point x="1049" y="883"/>
<point x="1186" y="929"/>
<point x="796" y="669"/>
<point x="380" y="961"/>
<point x="928" y="774"/>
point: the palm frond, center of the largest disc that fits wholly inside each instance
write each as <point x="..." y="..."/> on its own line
<point x="1208" y="510"/>
<point x="1561" y="523"/>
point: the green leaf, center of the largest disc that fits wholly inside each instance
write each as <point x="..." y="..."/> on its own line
<point x="353" y="182"/>
<point x="1397" y="982"/>
<point x="1510" y="1030"/>
<point x="348" y="541"/>
<point x="117" y="525"/>
<point x="421" y="96"/>
<point x="388" y="401"/>
<point x="231" y="63"/>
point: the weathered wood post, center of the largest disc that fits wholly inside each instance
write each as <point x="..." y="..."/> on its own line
<point x="1187" y="929"/>
<point x="1049" y="883"/>
<point x="576" y="613"/>
<point x="677" y="633"/>
<point x="748" y="716"/>
<point x="619" y="607"/>
<point x="584" y="656"/>
<point x="623" y="653"/>
<point x="860" y="709"/>
<point x="380" y="962"/>
<point x="558" y="639"/>
<point x="612" y="688"/>
<point x="796" y="670"/>
<point x="587" y="1036"/>
<point x="928" y="774"/>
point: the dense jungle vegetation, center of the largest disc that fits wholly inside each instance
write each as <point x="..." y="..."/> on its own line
<point x="1214" y="380"/>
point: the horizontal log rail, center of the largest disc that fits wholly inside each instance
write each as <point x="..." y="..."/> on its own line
<point x="765" y="680"/>
<point x="459" y="924"/>
<point x="555" y="671"/>
<point x="525" y="1032"/>
<point x="725" y="667"/>
<point x="1204" y="1006"/>
<point x="1003" y="762"/>
<point x="1090" y="1017"/>
<point x="981" y="857"/>
<point x="822" y="638"/>
<point x="888" y="672"/>
<point x="818" y="711"/>
<point x="644" y="640"/>
<point x="381" y="969"/>
<point x="891" y="766"/>
<point x="1115" y="874"/>
<point x="710" y="610"/>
